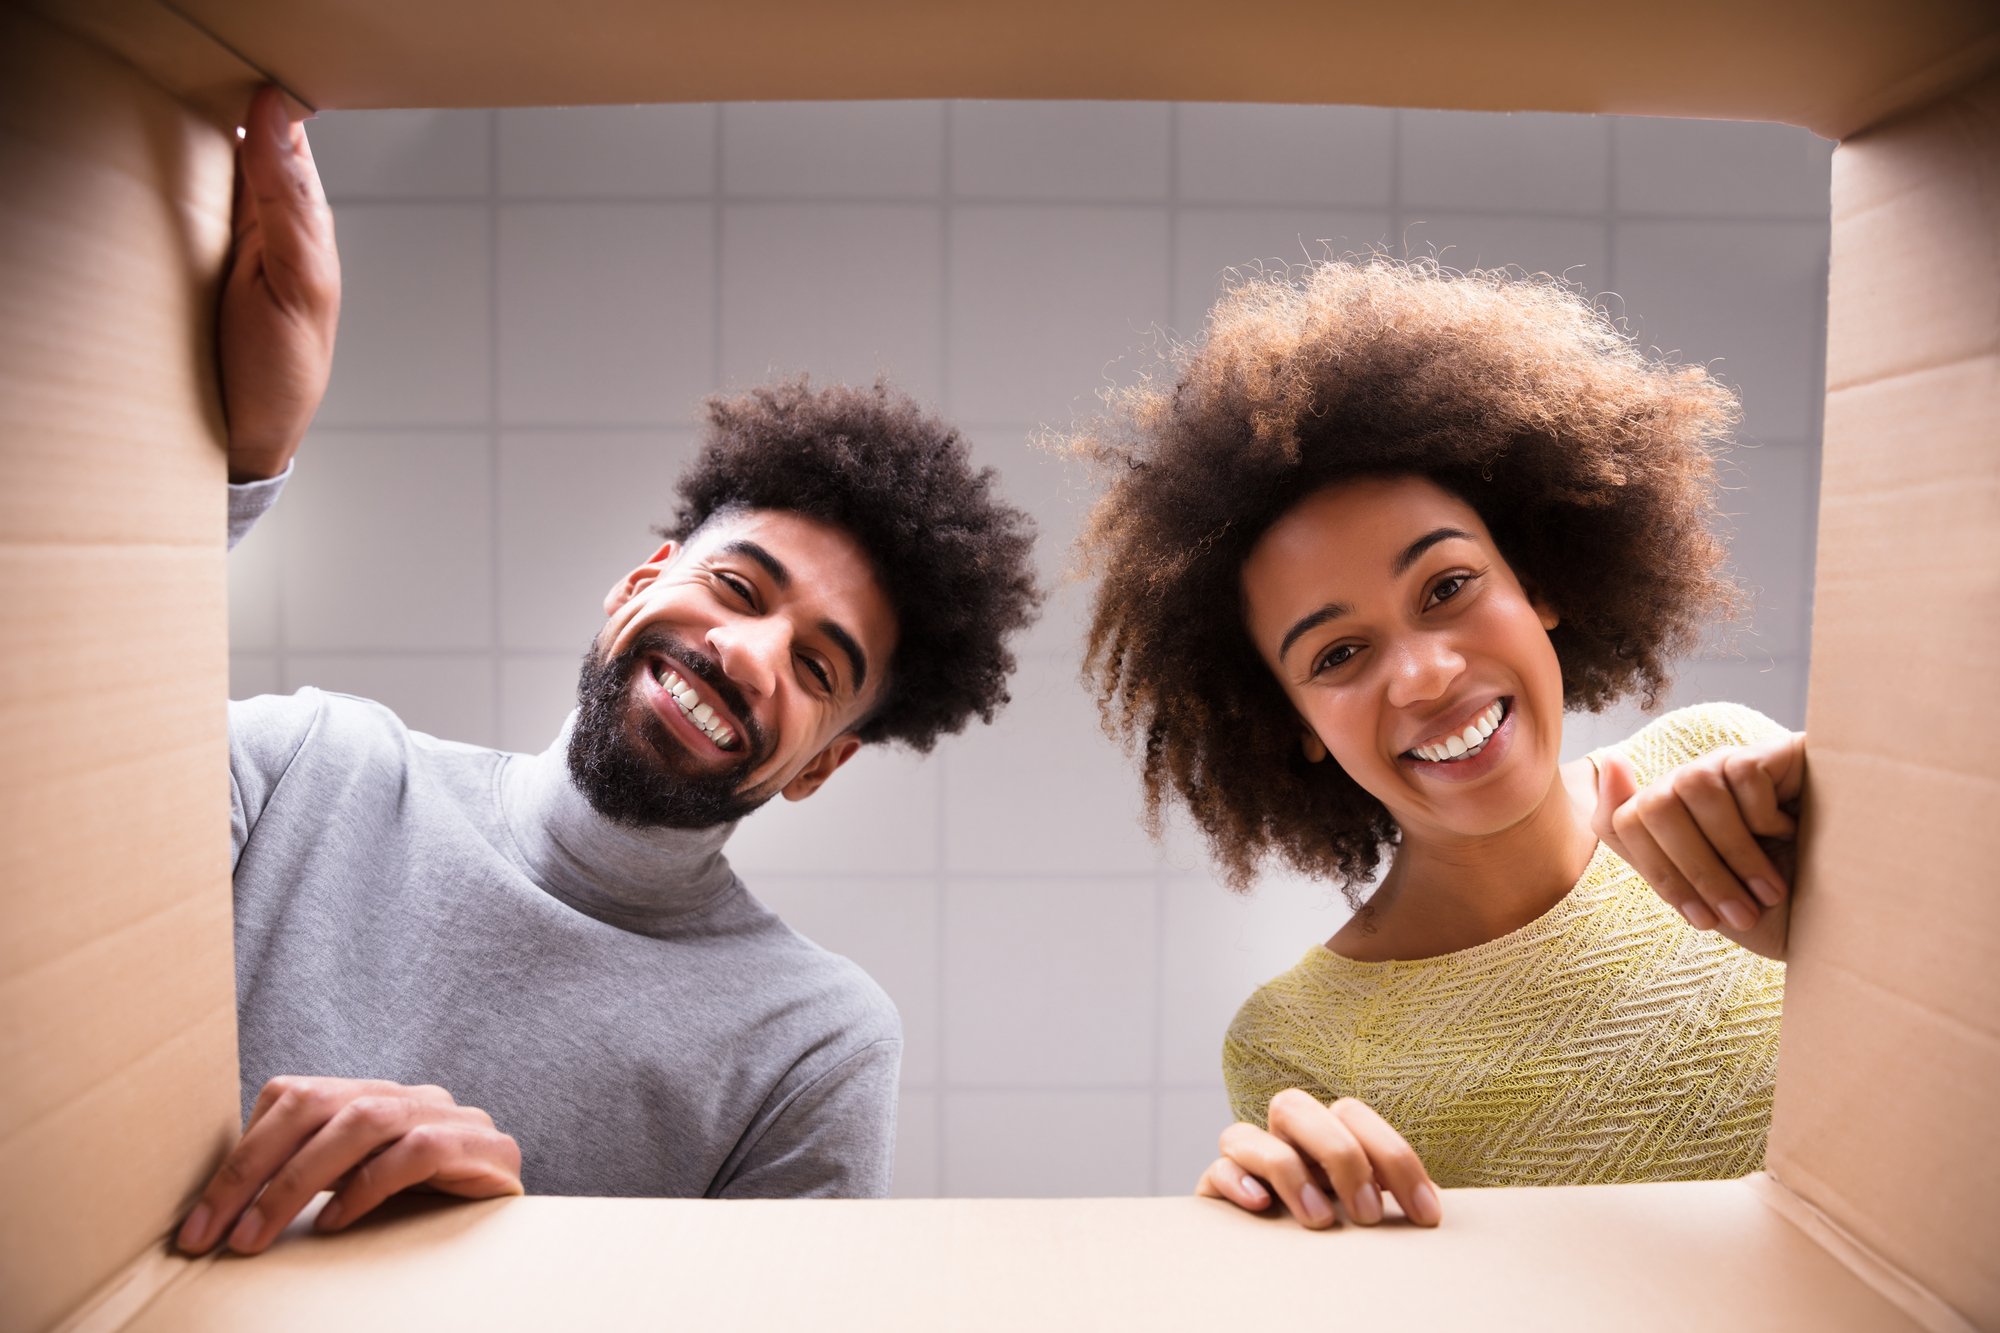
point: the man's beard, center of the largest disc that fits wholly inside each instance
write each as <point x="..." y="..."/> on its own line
<point x="631" y="768"/>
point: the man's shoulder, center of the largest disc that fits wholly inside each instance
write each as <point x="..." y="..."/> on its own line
<point x="838" y="991"/>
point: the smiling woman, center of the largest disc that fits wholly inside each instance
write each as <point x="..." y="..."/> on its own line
<point x="1362" y="548"/>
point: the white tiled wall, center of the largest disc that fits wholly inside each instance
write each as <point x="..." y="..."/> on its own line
<point x="538" y="300"/>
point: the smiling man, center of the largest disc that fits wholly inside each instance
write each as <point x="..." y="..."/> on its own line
<point x="481" y="972"/>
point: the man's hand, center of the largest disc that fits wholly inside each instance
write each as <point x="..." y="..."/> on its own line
<point x="361" y="1138"/>
<point x="1311" y="1150"/>
<point x="280" y="296"/>
<point x="1694" y="835"/>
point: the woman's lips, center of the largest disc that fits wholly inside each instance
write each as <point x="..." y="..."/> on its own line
<point x="1474" y="766"/>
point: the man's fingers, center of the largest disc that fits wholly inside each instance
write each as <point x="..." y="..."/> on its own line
<point x="1224" y="1179"/>
<point x="356" y="1131"/>
<point x="458" y="1155"/>
<point x="1396" y="1164"/>
<point x="294" y="1112"/>
<point x="1278" y="1164"/>
<point x="288" y="202"/>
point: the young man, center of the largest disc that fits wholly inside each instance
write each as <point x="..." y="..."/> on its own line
<point x="483" y="973"/>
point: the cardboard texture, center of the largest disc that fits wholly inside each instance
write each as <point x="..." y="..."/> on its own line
<point x="117" y="1044"/>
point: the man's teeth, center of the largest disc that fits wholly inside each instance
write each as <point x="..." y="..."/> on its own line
<point x="698" y="712"/>
<point x="1468" y="742"/>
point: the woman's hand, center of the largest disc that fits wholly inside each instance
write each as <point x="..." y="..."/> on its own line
<point x="1311" y="1150"/>
<point x="1694" y="835"/>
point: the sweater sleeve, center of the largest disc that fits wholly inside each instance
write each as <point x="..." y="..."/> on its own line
<point x="1686" y="734"/>
<point x="265" y="735"/>
<point x="1252" y="1072"/>
<point x="250" y="500"/>
<point x="834" y="1138"/>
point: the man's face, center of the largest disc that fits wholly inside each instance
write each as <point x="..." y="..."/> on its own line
<point x="729" y="670"/>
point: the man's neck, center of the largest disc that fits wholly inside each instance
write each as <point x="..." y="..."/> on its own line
<point x="635" y="878"/>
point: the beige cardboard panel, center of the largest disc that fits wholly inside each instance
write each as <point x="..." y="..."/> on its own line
<point x="1890" y="1066"/>
<point x="1833" y="65"/>
<point x="110" y="226"/>
<point x="117" y="1054"/>
<point x="1880" y="468"/>
<point x="1704" y="1255"/>
<point x="1898" y="306"/>
<point x="116" y="809"/>
<point x="84" y="1197"/>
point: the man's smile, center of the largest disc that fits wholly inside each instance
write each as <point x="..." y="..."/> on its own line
<point x="678" y="698"/>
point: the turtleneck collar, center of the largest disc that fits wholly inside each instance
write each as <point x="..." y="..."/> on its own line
<point x="637" y="879"/>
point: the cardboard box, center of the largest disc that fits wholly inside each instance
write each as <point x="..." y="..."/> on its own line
<point x="117" y="1057"/>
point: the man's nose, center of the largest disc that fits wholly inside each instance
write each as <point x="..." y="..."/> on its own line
<point x="749" y="650"/>
<point x="1423" y="668"/>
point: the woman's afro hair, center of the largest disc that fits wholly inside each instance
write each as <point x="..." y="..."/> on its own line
<point x="953" y="558"/>
<point x="1589" y="463"/>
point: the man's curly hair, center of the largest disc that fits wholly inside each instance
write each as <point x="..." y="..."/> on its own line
<point x="953" y="558"/>
<point x="1589" y="463"/>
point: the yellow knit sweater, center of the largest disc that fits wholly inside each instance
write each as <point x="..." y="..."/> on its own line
<point x="1604" y="1041"/>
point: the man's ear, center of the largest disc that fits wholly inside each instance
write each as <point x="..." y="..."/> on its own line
<point x="628" y="587"/>
<point x="821" y="766"/>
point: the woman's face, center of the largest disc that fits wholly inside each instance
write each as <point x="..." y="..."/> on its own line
<point x="1411" y="652"/>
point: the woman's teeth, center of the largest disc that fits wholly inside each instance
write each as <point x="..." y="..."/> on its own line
<point x="1468" y="742"/>
<point x="698" y="712"/>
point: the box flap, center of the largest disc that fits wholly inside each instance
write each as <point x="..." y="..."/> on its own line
<point x="1831" y="65"/>
<point x="1890" y="1065"/>
<point x="1639" y="1257"/>
<point x="117" y="1008"/>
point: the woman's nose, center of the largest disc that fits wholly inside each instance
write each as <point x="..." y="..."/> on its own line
<point x="1424" y="668"/>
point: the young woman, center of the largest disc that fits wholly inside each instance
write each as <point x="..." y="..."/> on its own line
<point x="1360" y="551"/>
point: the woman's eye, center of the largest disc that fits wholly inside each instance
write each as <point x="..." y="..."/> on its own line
<point x="1448" y="587"/>
<point x="1334" y="656"/>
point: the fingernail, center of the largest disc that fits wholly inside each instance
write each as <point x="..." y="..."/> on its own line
<point x="1697" y="915"/>
<point x="329" y="1216"/>
<point x="1254" y="1194"/>
<point x="194" y="1231"/>
<point x="1425" y="1206"/>
<point x="1767" y="892"/>
<point x="1367" y="1208"/>
<point x="1318" y="1210"/>
<point x="246" y="1231"/>
<point x="1738" y="915"/>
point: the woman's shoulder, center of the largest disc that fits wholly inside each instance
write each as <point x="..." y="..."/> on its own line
<point x="1686" y="734"/>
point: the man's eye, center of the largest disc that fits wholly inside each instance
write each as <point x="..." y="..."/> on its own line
<point x="735" y="585"/>
<point x="819" y="674"/>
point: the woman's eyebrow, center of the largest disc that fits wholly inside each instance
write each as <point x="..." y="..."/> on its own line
<point x="1402" y="563"/>
<point x="1311" y="621"/>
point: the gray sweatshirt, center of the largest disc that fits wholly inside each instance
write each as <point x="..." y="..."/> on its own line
<point x="428" y="912"/>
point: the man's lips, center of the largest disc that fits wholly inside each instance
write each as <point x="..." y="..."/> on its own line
<point x="668" y="709"/>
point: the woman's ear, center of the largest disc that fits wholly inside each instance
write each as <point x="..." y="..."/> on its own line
<point x="1313" y="746"/>
<point x="628" y="587"/>
<point x="1544" y="612"/>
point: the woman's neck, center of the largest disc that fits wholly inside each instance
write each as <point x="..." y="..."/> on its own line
<point x="1446" y="893"/>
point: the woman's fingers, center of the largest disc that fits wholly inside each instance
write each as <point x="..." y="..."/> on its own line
<point x="1324" y="1139"/>
<point x="1224" y="1179"/>
<point x="1279" y="1165"/>
<point x="1696" y="861"/>
<point x="1396" y="1164"/>
<point x="1718" y="813"/>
